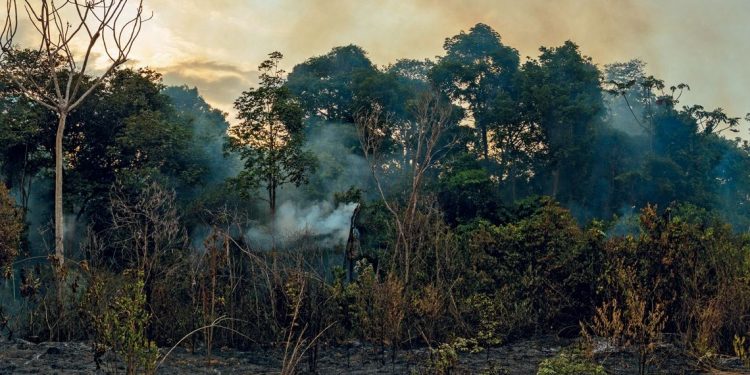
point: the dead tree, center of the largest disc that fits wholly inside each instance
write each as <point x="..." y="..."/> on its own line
<point x="352" y="244"/>
<point x="69" y="34"/>
<point x="420" y="143"/>
<point x="145" y="229"/>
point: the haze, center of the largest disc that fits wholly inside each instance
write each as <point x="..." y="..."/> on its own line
<point x="217" y="47"/>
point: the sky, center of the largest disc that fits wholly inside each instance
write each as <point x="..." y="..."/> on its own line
<point x="216" y="45"/>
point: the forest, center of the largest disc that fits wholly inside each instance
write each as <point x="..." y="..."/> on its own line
<point x="444" y="206"/>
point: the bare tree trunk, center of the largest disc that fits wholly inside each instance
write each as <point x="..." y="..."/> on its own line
<point x="513" y="182"/>
<point x="485" y="144"/>
<point x="59" y="225"/>
<point x="272" y="207"/>
<point x="272" y="201"/>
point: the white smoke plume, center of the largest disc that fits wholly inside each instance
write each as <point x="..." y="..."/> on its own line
<point x="328" y="225"/>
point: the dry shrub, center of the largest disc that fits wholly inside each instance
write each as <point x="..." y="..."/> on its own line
<point x="684" y="275"/>
<point x="635" y="324"/>
<point x="428" y="305"/>
<point x="146" y="232"/>
<point x="381" y="307"/>
<point x="721" y="318"/>
<point x="11" y="227"/>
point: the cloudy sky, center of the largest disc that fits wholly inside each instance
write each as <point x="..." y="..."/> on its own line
<point x="216" y="45"/>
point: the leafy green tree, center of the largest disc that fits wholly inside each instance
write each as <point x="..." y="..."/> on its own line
<point x="26" y="139"/>
<point x="562" y="94"/>
<point x="412" y="70"/>
<point x="466" y="192"/>
<point x="270" y="136"/>
<point x="325" y="84"/>
<point x="479" y="70"/>
<point x="126" y="131"/>
<point x="64" y="85"/>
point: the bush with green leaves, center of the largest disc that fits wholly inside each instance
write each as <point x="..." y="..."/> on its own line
<point x="444" y="359"/>
<point x="122" y="324"/>
<point x="569" y="363"/>
<point x="535" y="272"/>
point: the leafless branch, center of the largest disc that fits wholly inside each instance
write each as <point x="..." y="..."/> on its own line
<point x="110" y="25"/>
<point x="419" y="139"/>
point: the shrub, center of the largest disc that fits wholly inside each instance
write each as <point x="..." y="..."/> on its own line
<point x="635" y="324"/>
<point x="121" y="325"/>
<point x="443" y="359"/>
<point x="689" y="264"/>
<point x="11" y="227"/>
<point x="540" y="270"/>
<point x="569" y="363"/>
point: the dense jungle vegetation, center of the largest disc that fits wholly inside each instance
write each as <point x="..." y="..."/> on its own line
<point x="457" y="204"/>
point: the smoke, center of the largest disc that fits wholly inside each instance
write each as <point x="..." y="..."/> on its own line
<point x="624" y="117"/>
<point x="321" y="221"/>
<point x="607" y="30"/>
<point x="220" y="166"/>
<point x="209" y="132"/>
<point x="308" y="211"/>
<point x="730" y="175"/>
<point x="340" y="165"/>
<point x="627" y="222"/>
<point x="39" y="218"/>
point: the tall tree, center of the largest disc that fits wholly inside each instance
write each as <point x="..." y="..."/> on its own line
<point x="325" y="84"/>
<point x="26" y="139"/>
<point x="478" y="70"/>
<point x="126" y="130"/>
<point x="101" y="26"/>
<point x="561" y="93"/>
<point x="269" y="137"/>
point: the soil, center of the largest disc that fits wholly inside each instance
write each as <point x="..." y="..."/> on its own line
<point x="522" y="357"/>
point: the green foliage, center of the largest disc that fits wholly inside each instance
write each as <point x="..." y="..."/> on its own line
<point x="344" y="298"/>
<point x="491" y="322"/>
<point x="444" y="359"/>
<point x="269" y="137"/>
<point x="128" y="130"/>
<point x="524" y="264"/>
<point x="562" y="92"/>
<point x="569" y="363"/>
<point x="479" y="71"/>
<point x="122" y="325"/>
<point x="325" y="84"/>
<point x="466" y="194"/>
<point x="148" y="171"/>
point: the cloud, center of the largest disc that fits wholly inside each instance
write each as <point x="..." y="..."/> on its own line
<point x="219" y="83"/>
